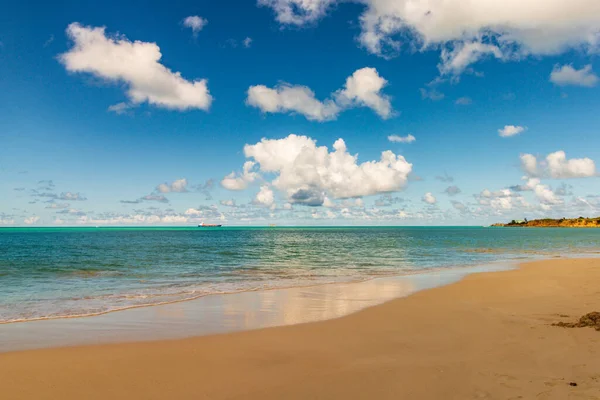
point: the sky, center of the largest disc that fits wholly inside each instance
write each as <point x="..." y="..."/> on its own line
<point x="298" y="112"/>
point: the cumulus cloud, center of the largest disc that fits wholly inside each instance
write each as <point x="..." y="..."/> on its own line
<point x="265" y="196"/>
<point x="461" y="207"/>
<point x="401" y="139"/>
<point x="567" y="75"/>
<point x="307" y="173"/>
<point x="463" y="54"/>
<point x="177" y="186"/>
<point x="135" y="64"/>
<point x="241" y="181"/>
<point x="205" y="212"/>
<point x="228" y="203"/>
<point x="195" y="23"/>
<point x="31" y="220"/>
<point x="298" y="12"/>
<point x="292" y="98"/>
<point x="429" y="198"/>
<point x="511" y="130"/>
<point x="465" y="32"/>
<point x="501" y="200"/>
<point x="557" y="166"/>
<point x="247" y="42"/>
<point x="362" y="89"/>
<point x="543" y="192"/>
<point x="135" y="219"/>
<point x="452" y="190"/>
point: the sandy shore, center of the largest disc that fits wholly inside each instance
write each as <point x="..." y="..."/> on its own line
<point x="488" y="336"/>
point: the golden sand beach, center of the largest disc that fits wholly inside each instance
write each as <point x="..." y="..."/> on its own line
<point x="489" y="336"/>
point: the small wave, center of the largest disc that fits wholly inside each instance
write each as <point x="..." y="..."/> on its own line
<point x="154" y="299"/>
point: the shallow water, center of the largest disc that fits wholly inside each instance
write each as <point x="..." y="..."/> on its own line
<point x="225" y="313"/>
<point x="57" y="272"/>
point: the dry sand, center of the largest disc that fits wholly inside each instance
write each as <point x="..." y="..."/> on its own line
<point x="489" y="336"/>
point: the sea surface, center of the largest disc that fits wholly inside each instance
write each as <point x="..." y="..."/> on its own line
<point x="60" y="272"/>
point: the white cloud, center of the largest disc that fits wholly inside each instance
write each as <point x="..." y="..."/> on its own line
<point x="228" y="203"/>
<point x="543" y="192"/>
<point x="247" y="42"/>
<point x="401" y="139"/>
<point x="265" y="196"/>
<point x="529" y="164"/>
<point x="193" y="212"/>
<point x="545" y="195"/>
<point x="567" y="75"/>
<point x="31" y="220"/>
<point x="362" y="89"/>
<point x="463" y="101"/>
<point x="195" y="23"/>
<point x="137" y="65"/>
<point x="120" y="108"/>
<point x="429" y="198"/>
<point x="344" y="204"/>
<point x="287" y="98"/>
<point x="557" y="166"/>
<point x="298" y="12"/>
<point x="177" y="186"/>
<point x="501" y="200"/>
<point x="463" y="54"/>
<point x="465" y="30"/>
<point x="234" y="181"/>
<point x="190" y="215"/>
<point x="307" y="174"/>
<point x="511" y="130"/>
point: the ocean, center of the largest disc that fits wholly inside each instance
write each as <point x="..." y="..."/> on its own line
<point x="60" y="272"/>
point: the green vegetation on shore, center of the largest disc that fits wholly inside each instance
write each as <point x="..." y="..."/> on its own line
<point x="580" y="222"/>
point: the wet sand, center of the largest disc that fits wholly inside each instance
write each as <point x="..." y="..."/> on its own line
<point x="489" y="336"/>
<point x="224" y="313"/>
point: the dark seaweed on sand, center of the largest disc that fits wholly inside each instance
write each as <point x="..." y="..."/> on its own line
<point x="590" y="319"/>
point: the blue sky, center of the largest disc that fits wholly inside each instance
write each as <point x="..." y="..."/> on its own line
<point x="102" y="104"/>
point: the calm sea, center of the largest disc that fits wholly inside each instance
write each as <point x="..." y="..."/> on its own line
<point x="54" y="272"/>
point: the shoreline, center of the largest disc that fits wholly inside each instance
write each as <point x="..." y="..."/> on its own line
<point x="459" y="270"/>
<point x="504" y="264"/>
<point x="489" y="335"/>
<point x="225" y="313"/>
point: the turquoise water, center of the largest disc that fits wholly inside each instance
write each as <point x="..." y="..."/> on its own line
<point x="56" y="272"/>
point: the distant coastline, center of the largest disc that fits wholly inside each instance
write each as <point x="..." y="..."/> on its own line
<point x="580" y="222"/>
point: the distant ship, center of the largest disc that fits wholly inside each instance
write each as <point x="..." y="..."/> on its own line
<point x="203" y="225"/>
